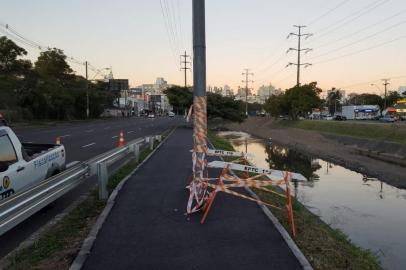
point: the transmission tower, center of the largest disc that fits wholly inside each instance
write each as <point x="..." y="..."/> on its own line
<point x="299" y="51"/>
<point x="246" y="73"/>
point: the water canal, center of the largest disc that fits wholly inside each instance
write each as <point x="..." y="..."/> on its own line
<point x="371" y="212"/>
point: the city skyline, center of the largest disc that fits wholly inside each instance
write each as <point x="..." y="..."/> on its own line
<point x="354" y="44"/>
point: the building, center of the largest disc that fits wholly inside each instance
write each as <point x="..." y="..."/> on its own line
<point x="400" y="107"/>
<point x="361" y="112"/>
<point x="264" y="92"/>
<point x="401" y="90"/>
<point x="118" y="84"/>
<point x="241" y="91"/>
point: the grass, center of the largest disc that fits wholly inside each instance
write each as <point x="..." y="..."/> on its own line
<point x="388" y="132"/>
<point x="57" y="248"/>
<point x="323" y="246"/>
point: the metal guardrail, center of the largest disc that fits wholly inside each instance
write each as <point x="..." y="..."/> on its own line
<point x="19" y="207"/>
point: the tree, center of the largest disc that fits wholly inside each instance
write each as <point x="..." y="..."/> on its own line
<point x="300" y="100"/>
<point x="13" y="73"/>
<point x="10" y="65"/>
<point x="274" y="105"/>
<point x="366" y="99"/>
<point x="52" y="64"/>
<point x="392" y="98"/>
<point x="333" y="101"/>
<point x="179" y="97"/>
<point x="224" y="107"/>
<point x="217" y="106"/>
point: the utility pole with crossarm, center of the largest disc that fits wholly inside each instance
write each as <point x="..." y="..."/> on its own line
<point x="185" y="65"/>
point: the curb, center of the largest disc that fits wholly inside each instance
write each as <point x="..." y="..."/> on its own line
<point x="87" y="245"/>
<point x="286" y="236"/>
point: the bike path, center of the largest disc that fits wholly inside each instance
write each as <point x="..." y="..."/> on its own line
<point x="147" y="227"/>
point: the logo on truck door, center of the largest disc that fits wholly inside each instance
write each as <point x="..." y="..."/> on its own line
<point x="6" y="182"/>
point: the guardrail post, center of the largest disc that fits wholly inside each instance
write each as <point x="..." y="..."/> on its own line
<point x="159" y="138"/>
<point x="151" y="143"/>
<point x="102" y="177"/>
<point x="137" y="152"/>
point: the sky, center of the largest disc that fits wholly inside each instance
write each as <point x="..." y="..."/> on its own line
<point x="355" y="42"/>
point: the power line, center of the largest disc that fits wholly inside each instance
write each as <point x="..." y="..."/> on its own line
<point x="299" y="50"/>
<point x="360" y="51"/>
<point x="13" y="34"/>
<point x="363" y="29"/>
<point x="328" y="12"/>
<point x="360" y="40"/>
<point x="348" y="19"/>
<point x="273" y="63"/>
<point x="168" y="30"/>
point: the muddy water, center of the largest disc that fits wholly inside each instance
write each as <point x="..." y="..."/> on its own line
<point x="370" y="212"/>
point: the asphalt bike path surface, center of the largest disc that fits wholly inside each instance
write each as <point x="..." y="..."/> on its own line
<point x="102" y="133"/>
<point x="147" y="227"/>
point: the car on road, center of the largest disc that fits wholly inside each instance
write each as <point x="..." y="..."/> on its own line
<point x="151" y="115"/>
<point x="329" y="117"/>
<point x="25" y="164"/>
<point x="387" y="119"/>
<point x="171" y="114"/>
<point x="3" y="121"/>
<point x="339" y="118"/>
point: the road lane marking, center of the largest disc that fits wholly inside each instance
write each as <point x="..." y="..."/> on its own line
<point x="87" y="145"/>
<point x="131" y="131"/>
<point x="107" y="127"/>
<point x="114" y="137"/>
<point x="64" y="136"/>
<point x="90" y="130"/>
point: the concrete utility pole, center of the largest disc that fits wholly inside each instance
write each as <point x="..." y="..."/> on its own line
<point x="199" y="85"/>
<point x="299" y="51"/>
<point x="385" y="83"/>
<point x="185" y="65"/>
<point x="87" y="94"/>
<point x="246" y="73"/>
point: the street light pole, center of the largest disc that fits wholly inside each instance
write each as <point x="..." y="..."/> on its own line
<point x="87" y="94"/>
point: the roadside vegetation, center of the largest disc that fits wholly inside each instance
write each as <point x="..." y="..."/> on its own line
<point x="46" y="89"/>
<point x="323" y="246"/>
<point x="218" y="106"/>
<point x="387" y="132"/>
<point x="58" y="247"/>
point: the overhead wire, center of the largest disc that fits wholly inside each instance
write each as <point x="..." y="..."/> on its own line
<point x="348" y="19"/>
<point x="328" y="12"/>
<point x="13" y="34"/>
<point x="363" y="29"/>
<point x="360" y="40"/>
<point x="362" y="50"/>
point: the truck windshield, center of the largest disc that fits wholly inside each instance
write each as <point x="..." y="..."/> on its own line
<point x="7" y="152"/>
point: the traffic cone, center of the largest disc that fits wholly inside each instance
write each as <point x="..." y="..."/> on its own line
<point x="121" y="141"/>
<point x="58" y="140"/>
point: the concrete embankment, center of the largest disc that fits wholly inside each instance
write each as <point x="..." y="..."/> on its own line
<point x="381" y="159"/>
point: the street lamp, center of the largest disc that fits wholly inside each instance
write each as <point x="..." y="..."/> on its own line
<point x="372" y="84"/>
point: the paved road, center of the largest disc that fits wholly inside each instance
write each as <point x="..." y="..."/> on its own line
<point x="147" y="227"/>
<point x="83" y="141"/>
<point x="87" y="139"/>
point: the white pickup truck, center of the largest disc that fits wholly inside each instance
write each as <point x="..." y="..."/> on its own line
<point x="25" y="164"/>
